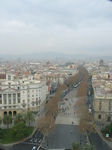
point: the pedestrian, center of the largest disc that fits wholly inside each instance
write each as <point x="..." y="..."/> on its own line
<point x="71" y="132"/>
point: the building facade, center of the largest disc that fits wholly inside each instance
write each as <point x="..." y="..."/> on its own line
<point x="19" y="96"/>
<point x="102" y="106"/>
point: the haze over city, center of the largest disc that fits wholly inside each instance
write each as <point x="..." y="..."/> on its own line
<point x="66" y="26"/>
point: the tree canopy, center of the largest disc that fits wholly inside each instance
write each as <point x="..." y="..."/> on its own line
<point x="7" y="120"/>
<point x="19" y="118"/>
<point x="46" y="124"/>
<point x="30" y="117"/>
<point x="19" y="131"/>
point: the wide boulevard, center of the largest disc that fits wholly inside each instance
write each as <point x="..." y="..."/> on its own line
<point x="66" y="131"/>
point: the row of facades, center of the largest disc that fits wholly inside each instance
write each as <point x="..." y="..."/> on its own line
<point x="102" y="87"/>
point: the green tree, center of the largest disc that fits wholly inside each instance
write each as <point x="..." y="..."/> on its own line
<point x="19" y="131"/>
<point x="108" y="129"/>
<point x="7" y="120"/>
<point x="19" y="118"/>
<point x="0" y="121"/>
<point x="1" y="133"/>
<point x="30" y="117"/>
<point x="76" y="146"/>
<point x="89" y="147"/>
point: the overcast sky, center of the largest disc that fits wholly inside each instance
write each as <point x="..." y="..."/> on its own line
<point x="69" y="26"/>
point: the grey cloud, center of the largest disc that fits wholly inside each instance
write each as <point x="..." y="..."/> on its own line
<point x="62" y="25"/>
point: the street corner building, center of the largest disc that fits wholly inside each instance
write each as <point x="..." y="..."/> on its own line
<point x="20" y="95"/>
<point x="103" y="101"/>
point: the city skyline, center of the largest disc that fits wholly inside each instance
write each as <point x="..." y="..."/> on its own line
<point x="66" y="26"/>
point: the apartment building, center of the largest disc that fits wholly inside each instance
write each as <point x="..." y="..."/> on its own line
<point x="19" y="96"/>
<point x="102" y="104"/>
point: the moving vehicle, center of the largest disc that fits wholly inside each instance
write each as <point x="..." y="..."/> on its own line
<point x="34" y="148"/>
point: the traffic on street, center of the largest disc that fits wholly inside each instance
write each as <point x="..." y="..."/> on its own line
<point x="66" y="131"/>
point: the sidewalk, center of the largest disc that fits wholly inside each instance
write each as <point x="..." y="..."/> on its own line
<point x="98" y="130"/>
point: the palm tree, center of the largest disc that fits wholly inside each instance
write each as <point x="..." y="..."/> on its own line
<point x="29" y="117"/>
<point x="0" y="120"/>
<point x="7" y="120"/>
<point x="19" y="118"/>
<point x="76" y="146"/>
<point x="89" y="147"/>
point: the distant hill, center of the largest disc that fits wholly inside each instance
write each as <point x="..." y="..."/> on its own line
<point x="55" y="55"/>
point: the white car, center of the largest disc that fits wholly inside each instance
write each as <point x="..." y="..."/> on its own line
<point x="34" y="148"/>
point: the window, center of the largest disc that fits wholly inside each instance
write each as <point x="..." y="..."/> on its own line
<point x="9" y="101"/>
<point x="109" y="103"/>
<point x="18" y="94"/>
<point x="99" y="107"/>
<point x="18" y="100"/>
<point x="100" y="103"/>
<point x="9" y="77"/>
<point x="14" y="98"/>
<point x="14" y="101"/>
<point x="5" y="102"/>
<point x="4" y="96"/>
<point x="109" y="107"/>
<point x="109" y="119"/>
<point x="99" y="116"/>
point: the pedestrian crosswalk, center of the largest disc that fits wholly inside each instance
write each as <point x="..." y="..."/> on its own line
<point x="30" y="143"/>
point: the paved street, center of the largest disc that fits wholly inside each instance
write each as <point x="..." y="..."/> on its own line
<point x="97" y="141"/>
<point x="68" y="113"/>
<point x="63" y="138"/>
<point x="23" y="147"/>
<point x="66" y="130"/>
